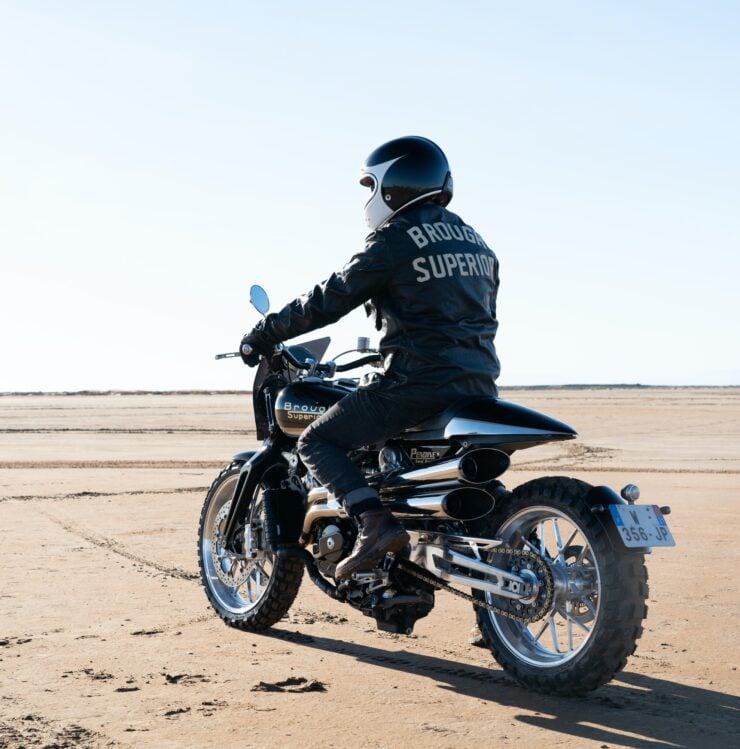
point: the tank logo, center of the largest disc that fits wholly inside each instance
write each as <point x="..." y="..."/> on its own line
<point x="424" y="456"/>
<point x="302" y="411"/>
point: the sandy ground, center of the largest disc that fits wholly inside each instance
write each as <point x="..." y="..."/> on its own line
<point x="106" y="638"/>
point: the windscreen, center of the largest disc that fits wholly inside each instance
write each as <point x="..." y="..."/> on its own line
<point x="316" y="348"/>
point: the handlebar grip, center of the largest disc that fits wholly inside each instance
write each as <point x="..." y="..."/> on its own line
<point x="359" y="362"/>
<point x="246" y="349"/>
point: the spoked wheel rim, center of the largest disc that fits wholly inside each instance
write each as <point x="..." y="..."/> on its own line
<point x="238" y="580"/>
<point x="569" y="625"/>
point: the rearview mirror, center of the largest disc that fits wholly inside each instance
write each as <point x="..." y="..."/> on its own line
<point x="259" y="299"/>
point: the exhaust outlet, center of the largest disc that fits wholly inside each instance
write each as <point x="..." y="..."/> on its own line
<point x="467" y="503"/>
<point x="478" y="466"/>
<point x="464" y="503"/>
<point x="483" y="465"/>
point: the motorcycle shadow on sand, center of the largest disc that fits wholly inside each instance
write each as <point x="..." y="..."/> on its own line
<point x="634" y="710"/>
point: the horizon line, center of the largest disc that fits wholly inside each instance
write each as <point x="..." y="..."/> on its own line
<point x="569" y="386"/>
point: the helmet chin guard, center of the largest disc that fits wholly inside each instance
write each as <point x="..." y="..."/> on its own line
<point x="401" y="173"/>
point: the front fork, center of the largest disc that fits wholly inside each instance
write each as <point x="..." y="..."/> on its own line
<point x="249" y="478"/>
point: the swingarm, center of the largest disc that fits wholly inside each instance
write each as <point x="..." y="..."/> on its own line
<point x="437" y="554"/>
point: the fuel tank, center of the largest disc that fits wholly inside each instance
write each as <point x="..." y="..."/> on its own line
<point x="301" y="403"/>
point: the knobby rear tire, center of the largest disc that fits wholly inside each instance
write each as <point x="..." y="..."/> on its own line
<point x="622" y="596"/>
<point x="282" y="588"/>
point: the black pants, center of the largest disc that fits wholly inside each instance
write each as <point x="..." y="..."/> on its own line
<point x="369" y="415"/>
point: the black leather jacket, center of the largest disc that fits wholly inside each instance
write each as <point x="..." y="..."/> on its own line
<point x="431" y="282"/>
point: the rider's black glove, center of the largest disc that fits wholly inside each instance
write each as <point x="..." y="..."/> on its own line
<point x="258" y="346"/>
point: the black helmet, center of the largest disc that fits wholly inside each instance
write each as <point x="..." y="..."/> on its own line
<point x="402" y="172"/>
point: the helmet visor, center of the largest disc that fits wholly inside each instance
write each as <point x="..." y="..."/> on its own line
<point x="368" y="180"/>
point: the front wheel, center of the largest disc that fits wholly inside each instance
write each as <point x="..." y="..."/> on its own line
<point x="248" y="587"/>
<point x="599" y="593"/>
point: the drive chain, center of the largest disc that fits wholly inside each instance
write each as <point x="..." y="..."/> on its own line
<point x="536" y="610"/>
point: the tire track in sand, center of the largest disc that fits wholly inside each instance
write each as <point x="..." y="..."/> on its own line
<point x="553" y="466"/>
<point x="109" y="544"/>
<point x="89" y="494"/>
<point x="113" y="463"/>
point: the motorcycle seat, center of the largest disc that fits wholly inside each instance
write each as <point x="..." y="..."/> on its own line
<point x="438" y="421"/>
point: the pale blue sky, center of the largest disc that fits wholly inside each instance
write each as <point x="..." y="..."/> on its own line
<point x="156" y="158"/>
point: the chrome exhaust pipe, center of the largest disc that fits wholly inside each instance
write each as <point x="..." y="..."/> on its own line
<point x="478" y="466"/>
<point x="463" y="503"/>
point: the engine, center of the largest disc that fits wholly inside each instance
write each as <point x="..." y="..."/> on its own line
<point x="331" y="545"/>
<point x="393" y="598"/>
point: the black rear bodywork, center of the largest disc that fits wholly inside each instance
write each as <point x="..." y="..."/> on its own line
<point x="490" y="421"/>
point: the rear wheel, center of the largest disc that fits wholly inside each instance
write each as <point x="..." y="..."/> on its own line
<point x="599" y="593"/>
<point x="249" y="588"/>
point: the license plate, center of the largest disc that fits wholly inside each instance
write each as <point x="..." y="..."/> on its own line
<point x="641" y="525"/>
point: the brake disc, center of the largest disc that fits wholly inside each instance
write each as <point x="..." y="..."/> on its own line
<point x="231" y="569"/>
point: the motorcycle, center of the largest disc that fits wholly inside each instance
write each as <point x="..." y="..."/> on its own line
<point x="555" y="567"/>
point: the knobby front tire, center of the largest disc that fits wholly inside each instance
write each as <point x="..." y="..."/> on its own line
<point x="251" y="590"/>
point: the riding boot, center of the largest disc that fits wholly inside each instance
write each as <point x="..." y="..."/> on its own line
<point x="379" y="533"/>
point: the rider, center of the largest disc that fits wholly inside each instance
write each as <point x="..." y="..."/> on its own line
<point x="431" y="283"/>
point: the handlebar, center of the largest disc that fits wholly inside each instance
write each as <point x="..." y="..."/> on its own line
<point x="246" y="350"/>
<point x="297" y="363"/>
<point x="310" y="364"/>
<point x="359" y="362"/>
